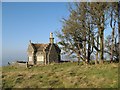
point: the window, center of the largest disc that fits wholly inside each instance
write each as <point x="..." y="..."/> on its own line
<point x="30" y="58"/>
<point x="40" y="58"/>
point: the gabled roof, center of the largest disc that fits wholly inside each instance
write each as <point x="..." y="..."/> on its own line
<point x="39" y="47"/>
<point x="56" y="47"/>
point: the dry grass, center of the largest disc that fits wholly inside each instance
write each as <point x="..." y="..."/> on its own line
<point x="65" y="75"/>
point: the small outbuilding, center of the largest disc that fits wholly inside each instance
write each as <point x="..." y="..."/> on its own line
<point x="39" y="53"/>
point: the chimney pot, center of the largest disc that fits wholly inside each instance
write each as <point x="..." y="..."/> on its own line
<point x="51" y="38"/>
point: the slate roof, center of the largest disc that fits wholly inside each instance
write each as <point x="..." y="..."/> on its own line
<point x="39" y="47"/>
<point x="56" y="47"/>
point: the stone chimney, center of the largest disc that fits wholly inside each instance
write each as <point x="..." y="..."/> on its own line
<point x="30" y="41"/>
<point x="51" y="38"/>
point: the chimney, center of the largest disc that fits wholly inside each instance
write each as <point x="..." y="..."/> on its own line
<point x="30" y="41"/>
<point x="51" y="38"/>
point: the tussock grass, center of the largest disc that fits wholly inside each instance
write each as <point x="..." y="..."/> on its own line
<point x="63" y="75"/>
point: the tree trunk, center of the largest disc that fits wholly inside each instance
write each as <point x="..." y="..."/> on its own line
<point x="119" y="38"/>
<point x="96" y="61"/>
<point x="85" y="59"/>
<point x="112" y="46"/>
<point x="78" y="60"/>
<point x="88" y="58"/>
<point x="89" y="44"/>
<point x="89" y="49"/>
<point x="119" y="27"/>
<point x="101" y="45"/>
<point x="78" y="57"/>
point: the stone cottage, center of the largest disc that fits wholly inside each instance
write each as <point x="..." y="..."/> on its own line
<point x="43" y="53"/>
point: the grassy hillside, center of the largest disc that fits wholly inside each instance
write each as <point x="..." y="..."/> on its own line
<point x="65" y="75"/>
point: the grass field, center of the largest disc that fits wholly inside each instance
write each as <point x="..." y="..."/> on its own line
<point x="64" y="75"/>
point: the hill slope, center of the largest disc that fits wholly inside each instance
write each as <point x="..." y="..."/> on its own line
<point x="65" y="75"/>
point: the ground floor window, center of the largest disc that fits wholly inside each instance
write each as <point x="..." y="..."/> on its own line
<point x="40" y="58"/>
<point x="30" y="58"/>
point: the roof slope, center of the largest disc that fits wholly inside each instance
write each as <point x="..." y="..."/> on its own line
<point x="56" y="47"/>
<point x="39" y="47"/>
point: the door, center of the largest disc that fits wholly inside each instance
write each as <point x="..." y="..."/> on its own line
<point x="40" y="59"/>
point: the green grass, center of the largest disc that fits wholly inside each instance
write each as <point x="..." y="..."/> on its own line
<point x="65" y="75"/>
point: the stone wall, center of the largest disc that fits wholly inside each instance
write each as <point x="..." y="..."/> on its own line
<point x="54" y="56"/>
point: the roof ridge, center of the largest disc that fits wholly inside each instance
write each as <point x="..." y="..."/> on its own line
<point x="40" y="43"/>
<point x="40" y="46"/>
